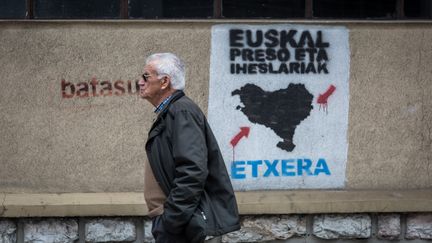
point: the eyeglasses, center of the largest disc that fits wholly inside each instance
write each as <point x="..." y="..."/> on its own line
<point x="145" y="77"/>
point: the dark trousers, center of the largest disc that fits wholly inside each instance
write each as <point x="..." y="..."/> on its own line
<point x="162" y="236"/>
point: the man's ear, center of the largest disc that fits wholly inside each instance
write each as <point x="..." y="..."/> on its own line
<point x="166" y="82"/>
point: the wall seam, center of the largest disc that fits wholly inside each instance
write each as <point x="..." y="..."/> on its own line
<point x="81" y="230"/>
<point x="403" y="218"/>
<point x="20" y="231"/>
<point x="139" y="229"/>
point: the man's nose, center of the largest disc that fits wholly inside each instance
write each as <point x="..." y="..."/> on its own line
<point x="141" y="82"/>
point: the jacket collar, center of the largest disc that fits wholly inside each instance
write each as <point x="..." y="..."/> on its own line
<point x="175" y="96"/>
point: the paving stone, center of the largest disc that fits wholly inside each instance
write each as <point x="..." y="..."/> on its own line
<point x="51" y="231"/>
<point x="389" y="226"/>
<point x="342" y="226"/>
<point x="265" y="228"/>
<point x="148" y="237"/>
<point x="7" y="231"/>
<point x="419" y="226"/>
<point x="110" y="230"/>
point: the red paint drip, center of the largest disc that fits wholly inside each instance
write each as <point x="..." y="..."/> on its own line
<point x="244" y="132"/>
<point x="323" y="98"/>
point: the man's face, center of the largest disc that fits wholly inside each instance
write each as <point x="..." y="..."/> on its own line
<point x="150" y="85"/>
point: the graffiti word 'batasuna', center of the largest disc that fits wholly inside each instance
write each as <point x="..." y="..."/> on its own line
<point x="95" y="88"/>
<point x="279" y="167"/>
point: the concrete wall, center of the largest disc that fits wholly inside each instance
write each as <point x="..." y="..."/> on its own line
<point x="96" y="144"/>
<point x="55" y="144"/>
<point x="390" y="128"/>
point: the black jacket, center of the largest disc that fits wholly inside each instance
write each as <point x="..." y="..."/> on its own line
<point x="187" y="164"/>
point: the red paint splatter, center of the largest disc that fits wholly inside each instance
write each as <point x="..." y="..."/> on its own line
<point x="244" y="132"/>
<point x="323" y="98"/>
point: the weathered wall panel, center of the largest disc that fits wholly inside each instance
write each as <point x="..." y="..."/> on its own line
<point x="390" y="125"/>
<point x="52" y="144"/>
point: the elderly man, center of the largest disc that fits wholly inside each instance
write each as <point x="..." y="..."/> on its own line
<point x="187" y="188"/>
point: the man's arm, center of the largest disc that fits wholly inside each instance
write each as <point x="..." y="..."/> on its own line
<point x="190" y="157"/>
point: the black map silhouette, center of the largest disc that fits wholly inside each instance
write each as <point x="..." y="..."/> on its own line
<point x="281" y="110"/>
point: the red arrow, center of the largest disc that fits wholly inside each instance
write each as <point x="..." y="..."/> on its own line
<point x="322" y="98"/>
<point x="244" y="132"/>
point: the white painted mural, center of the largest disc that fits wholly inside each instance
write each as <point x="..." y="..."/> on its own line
<point x="278" y="104"/>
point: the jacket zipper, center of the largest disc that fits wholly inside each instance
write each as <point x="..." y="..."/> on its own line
<point x="203" y="215"/>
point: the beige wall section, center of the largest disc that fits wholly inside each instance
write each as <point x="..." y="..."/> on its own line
<point x="55" y="144"/>
<point x="390" y="117"/>
<point x="52" y="144"/>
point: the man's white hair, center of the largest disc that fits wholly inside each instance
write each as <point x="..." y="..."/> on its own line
<point x="169" y="64"/>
